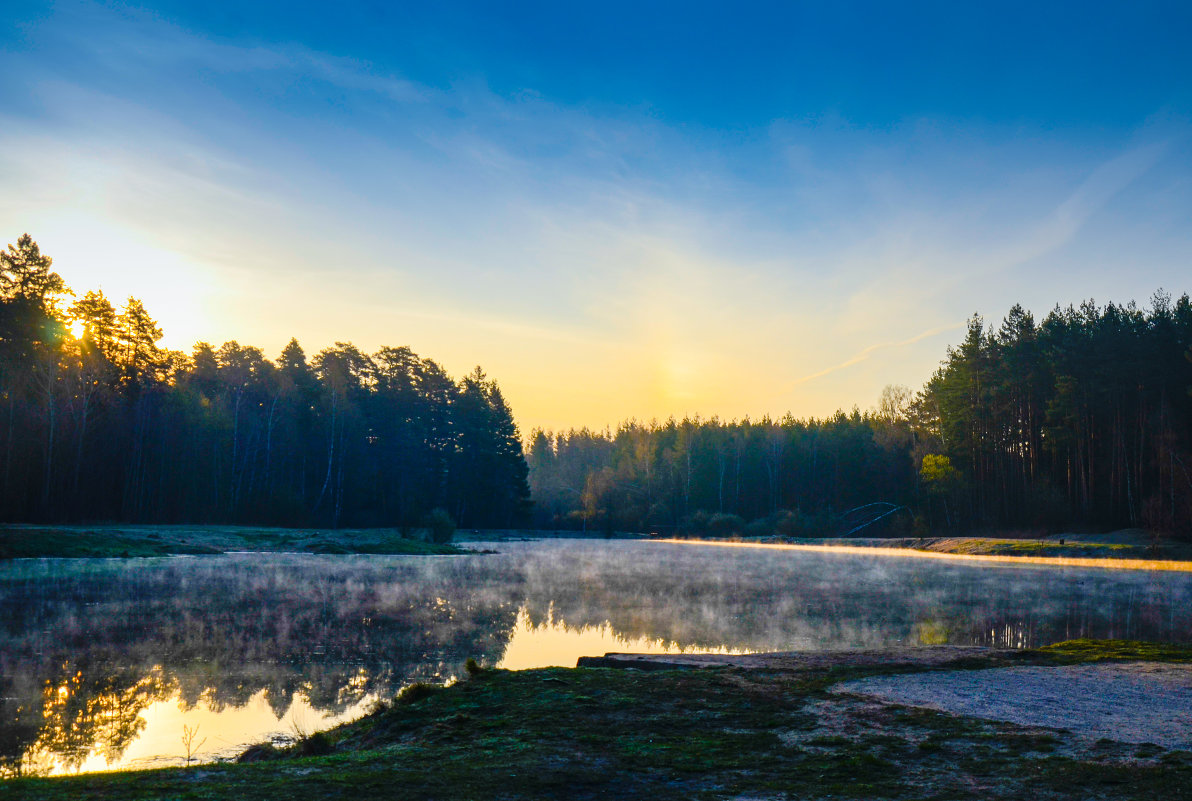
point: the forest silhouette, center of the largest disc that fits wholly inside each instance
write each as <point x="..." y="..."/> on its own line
<point x="1082" y="419"/>
<point x="101" y="423"/>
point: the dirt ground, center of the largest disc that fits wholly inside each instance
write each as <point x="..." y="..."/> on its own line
<point x="803" y="726"/>
<point x="1136" y="702"/>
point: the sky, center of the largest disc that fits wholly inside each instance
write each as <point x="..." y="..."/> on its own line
<point x="619" y="212"/>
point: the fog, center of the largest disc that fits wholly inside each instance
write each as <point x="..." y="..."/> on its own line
<point x="89" y="648"/>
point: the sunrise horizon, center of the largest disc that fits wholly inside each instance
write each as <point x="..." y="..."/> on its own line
<point x="806" y="218"/>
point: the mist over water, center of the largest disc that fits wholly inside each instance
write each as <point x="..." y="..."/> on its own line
<point x="103" y="661"/>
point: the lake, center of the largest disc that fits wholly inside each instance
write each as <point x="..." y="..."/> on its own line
<point x="106" y="664"/>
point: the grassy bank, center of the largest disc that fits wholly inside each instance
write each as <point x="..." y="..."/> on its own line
<point x="713" y="733"/>
<point x="133" y="541"/>
<point x="1122" y="546"/>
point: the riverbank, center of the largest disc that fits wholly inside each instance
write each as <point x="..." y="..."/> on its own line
<point x="28" y="541"/>
<point x="775" y="729"/>
<point x="880" y="548"/>
<point x="1124" y="544"/>
<point x="115" y="541"/>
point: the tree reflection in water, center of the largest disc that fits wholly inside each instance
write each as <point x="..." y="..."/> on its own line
<point x="96" y="712"/>
<point x="86" y="647"/>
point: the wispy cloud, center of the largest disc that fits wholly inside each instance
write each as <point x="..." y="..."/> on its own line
<point x="148" y="41"/>
<point x="1093" y="194"/>
<point x="869" y="351"/>
<point x="593" y="251"/>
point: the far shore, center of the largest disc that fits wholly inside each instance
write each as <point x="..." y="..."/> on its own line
<point x="1133" y="548"/>
<point x="900" y="548"/>
<point x="130" y="541"/>
<point x="1130" y="543"/>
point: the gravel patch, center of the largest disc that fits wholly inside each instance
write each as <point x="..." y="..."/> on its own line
<point x="1135" y="702"/>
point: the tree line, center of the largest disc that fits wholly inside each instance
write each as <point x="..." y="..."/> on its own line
<point x="99" y="422"/>
<point x="1082" y="420"/>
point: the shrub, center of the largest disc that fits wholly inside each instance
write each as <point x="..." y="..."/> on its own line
<point x="318" y="744"/>
<point x="695" y="525"/>
<point x="440" y="525"/>
<point x="792" y="523"/>
<point x="262" y="752"/>
<point x="725" y="525"/>
<point x="416" y="692"/>
<point x="762" y="527"/>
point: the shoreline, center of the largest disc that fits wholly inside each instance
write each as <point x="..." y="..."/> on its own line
<point x="1114" y="563"/>
<point x="139" y="541"/>
<point x="1130" y="549"/>
<point x="787" y="725"/>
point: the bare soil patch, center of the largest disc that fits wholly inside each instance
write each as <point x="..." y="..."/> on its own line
<point x="1136" y="702"/>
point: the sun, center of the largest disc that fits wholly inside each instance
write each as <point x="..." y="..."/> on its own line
<point x="77" y="329"/>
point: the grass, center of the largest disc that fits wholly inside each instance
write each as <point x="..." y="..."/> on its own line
<point x="1140" y="547"/>
<point x="142" y="541"/>
<point x="1006" y="547"/>
<point x="713" y="733"/>
<point x="1084" y="650"/>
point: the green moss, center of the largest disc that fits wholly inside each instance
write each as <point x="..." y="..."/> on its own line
<point x="1023" y="743"/>
<point x="1008" y="547"/>
<point x="1085" y="650"/>
<point x="1113" y="780"/>
<point x="829" y="740"/>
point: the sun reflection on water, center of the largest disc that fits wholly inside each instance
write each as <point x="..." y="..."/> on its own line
<point x="223" y="729"/>
<point x="109" y="664"/>
<point x="553" y="643"/>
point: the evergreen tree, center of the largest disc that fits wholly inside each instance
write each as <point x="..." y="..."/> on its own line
<point x="25" y="274"/>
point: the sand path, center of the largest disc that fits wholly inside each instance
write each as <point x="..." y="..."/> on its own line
<point x="1133" y="702"/>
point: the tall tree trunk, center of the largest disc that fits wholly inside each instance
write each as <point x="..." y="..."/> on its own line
<point x="51" y="427"/>
<point x="269" y="448"/>
<point x="330" y="453"/>
<point x="79" y="445"/>
<point x="51" y="431"/>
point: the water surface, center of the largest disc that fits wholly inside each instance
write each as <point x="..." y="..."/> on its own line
<point x="103" y="662"/>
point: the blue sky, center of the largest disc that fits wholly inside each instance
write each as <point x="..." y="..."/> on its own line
<point x="688" y="209"/>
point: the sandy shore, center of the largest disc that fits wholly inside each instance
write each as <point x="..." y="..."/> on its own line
<point x="1134" y="702"/>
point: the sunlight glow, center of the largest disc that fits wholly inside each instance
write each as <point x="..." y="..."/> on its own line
<point x="93" y="253"/>
<point x="604" y="259"/>
<point x="227" y="731"/>
<point x="554" y="644"/>
<point x="1052" y="561"/>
